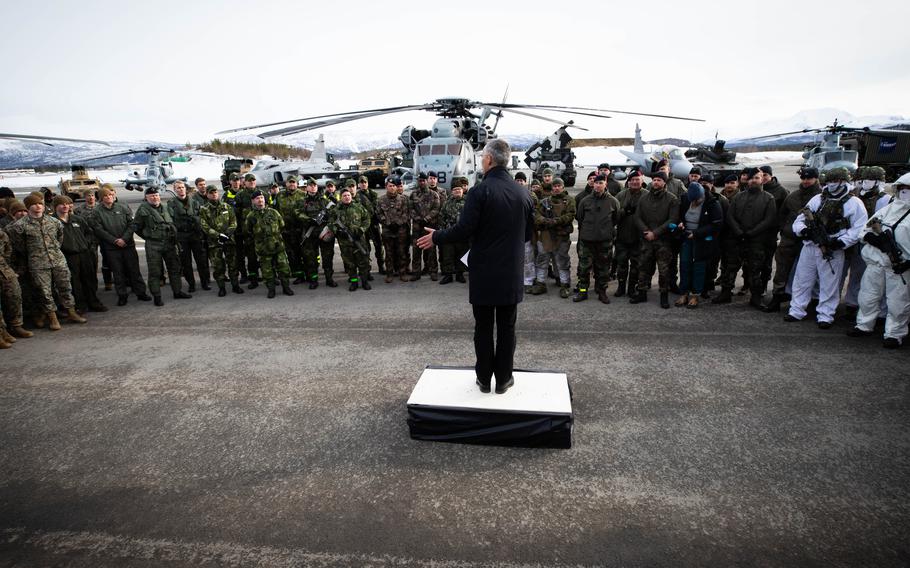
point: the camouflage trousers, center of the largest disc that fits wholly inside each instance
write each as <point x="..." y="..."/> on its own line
<point x="293" y="247"/>
<point x="594" y="256"/>
<point x="157" y="255"/>
<point x="626" y="258"/>
<point x="375" y="237"/>
<point x="748" y="254"/>
<point x="223" y="260"/>
<point x="356" y="263"/>
<point x="396" y="240"/>
<point x="450" y="257"/>
<point x="428" y="256"/>
<point x="275" y="263"/>
<point x="50" y="281"/>
<point x="785" y="258"/>
<point x="314" y="248"/>
<point x="11" y="295"/>
<point x="658" y="252"/>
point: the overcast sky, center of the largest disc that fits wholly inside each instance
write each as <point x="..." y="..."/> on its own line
<point x="180" y="71"/>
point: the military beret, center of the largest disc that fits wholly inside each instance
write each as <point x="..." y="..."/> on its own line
<point x="211" y="189"/>
<point x="395" y="180"/>
<point x="659" y="175"/>
<point x="604" y="165"/>
<point x="16" y="206"/>
<point x="707" y="177"/>
<point x="345" y="189"/>
<point x="249" y="177"/>
<point x="311" y="181"/>
<point x="291" y="179"/>
<point x="635" y="174"/>
<point x="151" y="191"/>
<point x="350" y="183"/>
<point x="663" y="162"/>
<point x="33" y="199"/>
<point x="695" y="170"/>
<point x="363" y="179"/>
<point x="808" y="173"/>
<point x="546" y="172"/>
<point x="521" y="176"/>
<point x="257" y="193"/>
<point x="752" y="171"/>
<point x="731" y="177"/>
<point x="62" y="200"/>
<point x="6" y="193"/>
<point x="422" y="175"/>
<point x="766" y="170"/>
<point x="558" y="181"/>
<point x="600" y="177"/>
<point x="592" y="174"/>
<point x="432" y="174"/>
<point x="234" y="177"/>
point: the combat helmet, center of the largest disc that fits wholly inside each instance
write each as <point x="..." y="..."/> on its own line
<point x="837" y="174"/>
<point x="876" y="173"/>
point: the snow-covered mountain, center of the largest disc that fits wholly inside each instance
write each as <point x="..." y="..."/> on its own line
<point x="21" y="154"/>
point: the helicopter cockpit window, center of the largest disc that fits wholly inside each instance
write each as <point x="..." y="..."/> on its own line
<point x="453" y="149"/>
<point x="439" y="150"/>
<point x="677" y="154"/>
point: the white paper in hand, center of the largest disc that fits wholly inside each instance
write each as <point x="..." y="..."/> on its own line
<point x="464" y="259"/>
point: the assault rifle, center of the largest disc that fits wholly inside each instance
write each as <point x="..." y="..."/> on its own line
<point x="347" y="233"/>
<point x="817" y="233"/>
<point x="884" y="241"/>
<point x="319" y="220"/>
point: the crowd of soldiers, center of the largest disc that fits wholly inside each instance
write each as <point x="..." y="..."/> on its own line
<point x="697" y="236"/>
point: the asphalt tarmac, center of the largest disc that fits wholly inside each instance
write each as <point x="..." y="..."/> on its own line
<point x="243" y="431"/>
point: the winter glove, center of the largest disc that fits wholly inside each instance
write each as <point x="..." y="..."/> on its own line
<point x="875" y="240"/>
<point x="223" y="239"/>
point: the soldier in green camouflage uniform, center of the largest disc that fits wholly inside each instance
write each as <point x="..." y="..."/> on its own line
<point x="153" y="223"/>
<point x="597" y="216"/>
<point x="265" y="225"/>
<point x="190" y="239"/>
<point x="10" y="290"/>
<point x="554" y="217"/>
<point x="37" y="237"/>
<point x="363" y="200"/>
<point x="425" y="205"/>
<point x="375" y="235"/>
<point x="233" y="198"/>
<point x="220" y="226"/>
<point x="450" y="253"/>
<point x="628" y="237"/>
<point x="656" y="211"/>
<point x="350" y="223"/>
<point x="245" y="245"/>
<point x="395" y="215"/>
<point x="288" y="202"/>
<point x="309" y="213"/>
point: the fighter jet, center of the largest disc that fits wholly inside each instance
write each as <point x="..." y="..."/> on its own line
<point x="319" y="165"/>
<point x="647" y="161"/>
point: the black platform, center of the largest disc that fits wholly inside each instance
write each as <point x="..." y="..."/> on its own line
<point x="446" y="406"/>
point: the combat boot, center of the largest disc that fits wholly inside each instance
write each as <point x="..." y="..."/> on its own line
<point x="365" y="284"/>
<point x="353" y="286"/>
<point x="181" y="295"/>
<point x="270" y="285"/>
<point x="53" y="323"/>
<point x="5" y="344"/>
<point x="330" y="282"/>
<point x="538" y="288"/>
<point x="286" y="287"/>
<point x="406" y="278"/>
<point x="314" y="284"/>
<point x="581" y="295"/>
<point x="19" y="331"/>
<point x="620" y="289"/>
<point x="254" y="283"/>
<point x="725" y="296"/>
<point x="755" y="300"/>
<point x="222" y="291"/>
<point x="121" y="299"/>
<point x="446" y="279"/>
<point x="158" y="301"/>
<point x="388" y="279"/>
<point x="602" y="296"/>
<point x="434" y="276"/>
<point x="665" y="300"/>
<point x="640" y="297"/>
<point x="414" y="277"/>
<point x="235" y="287"/>
<point x="5" y="336"/>
<point x="39" y="320"/>
<point x="299" y="280"/>
<point x="143" y="297"/>
<point x="206" y="286"/>
<point x="72" y="316"/>
<point x="773" y="305"/>
<point x="459" y="277"/>
<point x="192" y="287"/>
<point x="564" y="291"/>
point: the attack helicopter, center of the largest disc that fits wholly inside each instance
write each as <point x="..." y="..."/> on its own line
<point x="158" y="173"/>
<point x="450" y="148"/>
<point x="830" y="153"/>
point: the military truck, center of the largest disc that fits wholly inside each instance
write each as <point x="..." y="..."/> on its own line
<point x="378" y="168"/>
<point x="79" y="185"/>
<point x="889" y="151"/>
<point x="234" y="166"/>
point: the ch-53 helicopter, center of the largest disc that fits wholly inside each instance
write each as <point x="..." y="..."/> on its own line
<point x="450" y="148"/>
<point x="158" y="173"/>
<point x="830" y="153"/>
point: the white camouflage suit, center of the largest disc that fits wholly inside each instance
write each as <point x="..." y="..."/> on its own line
<point x="880" y="280"/>
<point x="812" y="267"/>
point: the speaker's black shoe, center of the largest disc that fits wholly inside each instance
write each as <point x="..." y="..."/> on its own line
<point x="483" y="387"/>
<point x="500" y="389"/>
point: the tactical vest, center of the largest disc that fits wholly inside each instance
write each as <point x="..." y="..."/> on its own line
<point x="831" y="214"/>
<point x="869" y="200"/>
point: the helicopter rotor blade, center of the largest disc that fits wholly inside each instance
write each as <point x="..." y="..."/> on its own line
<point x="381" y="110"/>
<point x="499" y="114"/>
<point x="569" y="108"/>
<point x="333" y="121"/>
<point x="803" y="131"/>
<point x="537" y="116"/>
<point x="127" y="153"/>
<point x="41" y="139"/>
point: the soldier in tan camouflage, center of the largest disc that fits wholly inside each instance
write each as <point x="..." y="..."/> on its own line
<point x="10" y="292"/>
<point x="394" y="213"/>
<point x="37" y="238"/>
<point x="425" y="205"/>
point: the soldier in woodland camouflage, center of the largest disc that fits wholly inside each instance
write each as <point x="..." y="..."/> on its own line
<point x="395" y="215"/>
<point x="264" y="225"/>
<point x="425" y="205"/>
<point x="220" y="225"/>
<point x="10" y="292"/>
<point x="450" y="253"/>
<point x="350" y="224"/>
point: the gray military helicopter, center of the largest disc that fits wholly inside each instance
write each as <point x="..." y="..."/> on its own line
<point x="830" y="153"/>
<point x="158" y="173"/>
<point x="450" y="147"/>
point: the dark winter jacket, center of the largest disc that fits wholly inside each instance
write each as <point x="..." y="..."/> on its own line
<point x="597" y="217"/>
<point x="710" y="224"/>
